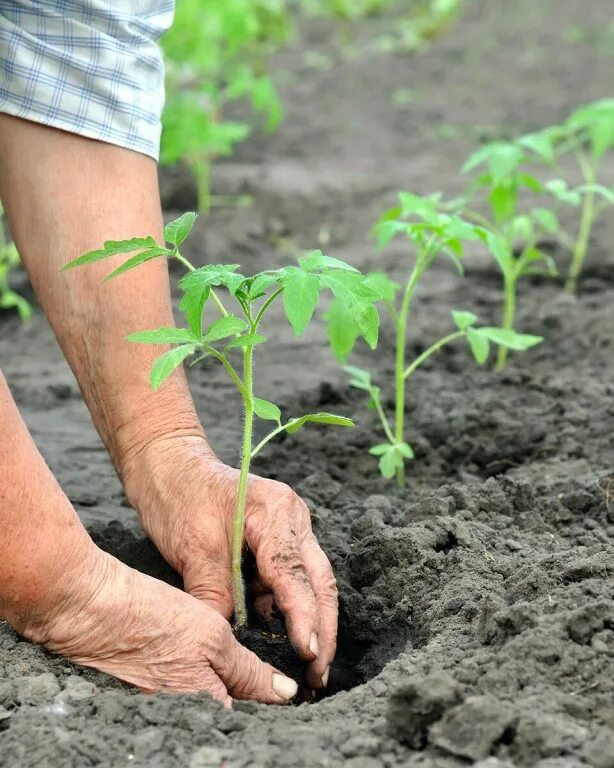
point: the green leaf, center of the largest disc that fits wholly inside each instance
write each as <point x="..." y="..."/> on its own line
<point x="266" y="410"/>
<point x="546" y="220"/>
<point x="405" y="450"/>
<point x="259" y="284"/>
<point x="247" y="340"/>
<point x="318" y="418"/>
<point x="192" y="304"/>
<point x="390" y="462"/>
<point x="500" y="249"/>
<point x="382" y="285"/>
<point x="223" y="327"/>
<point x="342" y="329"/>
<point x="541" y="143"/>
<point x="561" y="191"/>
<point x="316" y="260"/>
<point x="503" y="201"/>
<point x="164" y="336"/>
<point x="349" y="288"/>
<point x="112" y="248"/>
<point x="359" y="378"/>
<point x="176" y="231"/>
<point x="301" y="294"/>
<point x="464" y="320"/>
<point x="166" y="364"/>
<point x="380" y="449"/>
<point x="212" y="275"/>
<point x="134" y="261"/>
<point x="510" y="339"/>
<point x="480" y="346"/>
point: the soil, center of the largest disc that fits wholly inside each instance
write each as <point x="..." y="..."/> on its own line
<point x="477" y="604"/>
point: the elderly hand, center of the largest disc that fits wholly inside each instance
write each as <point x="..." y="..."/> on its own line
<point x="186" y="499"/>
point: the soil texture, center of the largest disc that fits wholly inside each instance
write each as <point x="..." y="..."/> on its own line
<point x="477" y="604"/>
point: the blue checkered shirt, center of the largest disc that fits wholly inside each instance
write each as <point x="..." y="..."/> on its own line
<point x="91" y="67"/>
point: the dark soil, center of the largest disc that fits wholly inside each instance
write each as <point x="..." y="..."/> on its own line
<point x="477" y="605"/>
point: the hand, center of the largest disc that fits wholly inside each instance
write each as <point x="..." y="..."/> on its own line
<point x="186" y="500"/>
<point x="149" y="634"/>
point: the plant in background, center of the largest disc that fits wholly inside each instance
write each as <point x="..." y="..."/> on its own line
<point x="238" y="333"/>
<point x="513" y="232"/>
<point x="9" y="259"/>
<point x="216" y="54"/>
<point x="426" y="21"/>
<point x="589" y="134"/>
<point x="432" y="233"/>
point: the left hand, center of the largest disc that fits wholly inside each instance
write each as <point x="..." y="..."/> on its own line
<point x="185" y="498"/>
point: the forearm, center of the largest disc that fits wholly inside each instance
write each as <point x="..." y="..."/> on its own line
<point x="65" y="195"/>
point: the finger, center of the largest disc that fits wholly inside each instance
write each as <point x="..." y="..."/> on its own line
<point x="264" y="606"/>
<point x="246" y="677"/>
<point x="325" y="590"/>
<point x="281" y="568"/>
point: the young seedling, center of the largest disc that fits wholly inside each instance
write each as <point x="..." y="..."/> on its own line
<point x="239" y="333"/>
<point x="432" y="234"/>
<point x="589" y="134"/>
<point x="513" y="235"/>
<point x="204" y="78"/>
<point x="9" y="259"/>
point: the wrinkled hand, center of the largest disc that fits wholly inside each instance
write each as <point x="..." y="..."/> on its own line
<point x="151" y="635"/>
<point x="186" y="500"/>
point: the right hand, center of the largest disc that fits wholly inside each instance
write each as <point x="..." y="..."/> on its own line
<point x="153" y="636"/>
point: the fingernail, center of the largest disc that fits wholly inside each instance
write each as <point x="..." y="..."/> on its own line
<point x="325" y="677"/>
<point x="283" y="686"/>
<point x="313" y="644"/>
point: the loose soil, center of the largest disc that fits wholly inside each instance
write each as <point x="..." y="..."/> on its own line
<point x="477" y="605"/>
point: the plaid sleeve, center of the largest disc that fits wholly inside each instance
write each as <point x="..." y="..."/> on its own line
<point x="91" y="67"/>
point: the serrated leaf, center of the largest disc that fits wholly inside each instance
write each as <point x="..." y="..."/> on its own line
<point x="223" y="327"/>
<point x="342" y="329"/>
<point x="266" y="410"/>
<point x="247" y="340"/>
<point x="166" y="364"/>
<point x="500" y="249"/>
<point x="479" y="345"/>
<point x="260" y="283"/>
<point x="382" y="285"/>
<point x="316" y="260"/>
<point x="318" y="418"/>
<point x="541" y="143"/>
<point x="134" y="261"/>
<point x="113" y="248"/>
<point x="510" y="339"/>
<point x="176" y="231"/>
<point x="163" y="336"/>
<point x="192" y="304"/>
<point x="464" y="320"/>
<point x="301" y="294"/>
<point x="503" y="201"/>
<point x="212" y="275"/>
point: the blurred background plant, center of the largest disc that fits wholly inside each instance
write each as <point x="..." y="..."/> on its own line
<point x="219" y="54"/>
<point x="9" y="259"/>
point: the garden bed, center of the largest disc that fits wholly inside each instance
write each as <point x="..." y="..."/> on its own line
<point x="477" y="604"/>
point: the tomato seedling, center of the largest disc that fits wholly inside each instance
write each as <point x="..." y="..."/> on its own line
<point x="217" y="53"/>
<point x="239" y="333"/>
<point x="588" y="133"/>
<point x="9" y="259"/>
<point x="512" y="234"/>
<point x="432" y="233"/>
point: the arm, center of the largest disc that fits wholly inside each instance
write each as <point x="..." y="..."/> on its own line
<point x="64" y="195"/>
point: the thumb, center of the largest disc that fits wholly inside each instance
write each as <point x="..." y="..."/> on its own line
<point x="246" y="677"/>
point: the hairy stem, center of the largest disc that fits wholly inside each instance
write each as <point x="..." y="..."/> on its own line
<point x="382" y="417"/>
<point x="399" y="368"/>
<point x="586" y="225"/>
<point x="509" y="312"/>
<point x="431" y="351"/>
<point x="238" y="525"/>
